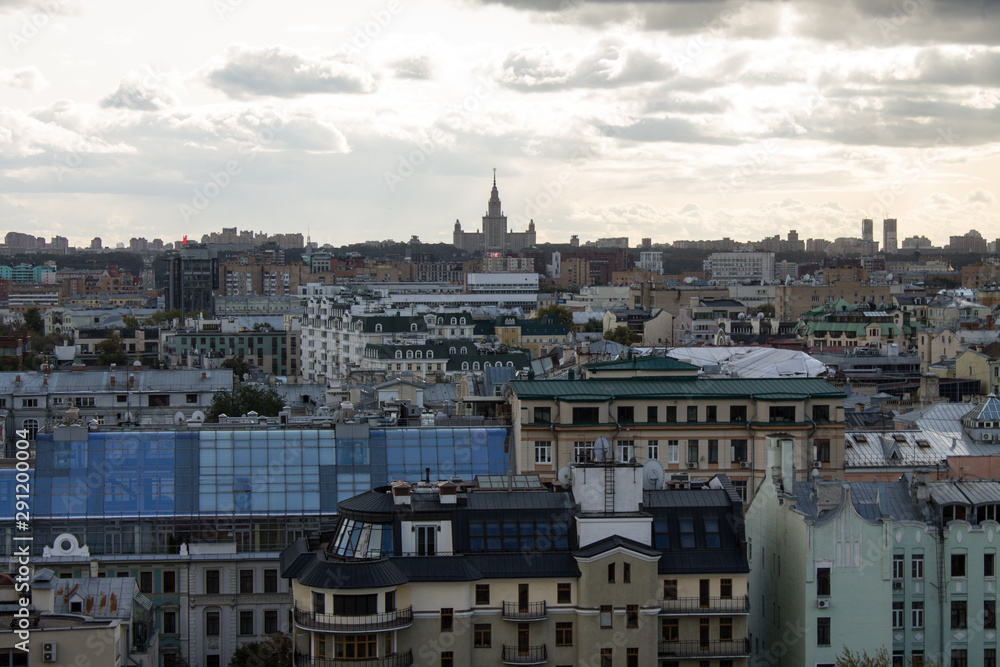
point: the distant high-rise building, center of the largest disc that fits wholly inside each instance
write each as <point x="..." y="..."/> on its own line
<point x="647" y="243"/>
<point x="867" y="230"/>
<point x="889" y="242"/>
<point x="494" y="238"/>
<point x="96" y="243"/>
<point x="192" y="275"/>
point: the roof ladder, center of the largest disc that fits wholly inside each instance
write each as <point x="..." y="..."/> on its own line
<point x="609" y="488"/>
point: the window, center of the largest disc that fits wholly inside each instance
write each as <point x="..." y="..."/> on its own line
<point x="212" y="623"/>
<point x="671" y="630"/>
<point x="917" y="659"/>
<point x="607" y="657"/>
<point x="31" y="426"/>
<point x="673" y="451"/>
<point x="190" y="398"/>
<point x="712" y="538"/>
<point x="482" y="593"/>
<point x="564" y="634"/>
<point x="897" y="566"/>
<point x="990" y="614"/>
<point x="692" y="413"/>
<point x="270" y="581"/>
<point x="212" y="660"/>
<point x="246" y="581"/>
<point x="426" y="540"/>
<point x="737" y="413"/>
<point x="319" y="603"/>
<point x="898" y="609"/>
<point x="821" y="413"/>
<point x="390" y="601"/>
<point x="627" y="573"/>
<point x="958" y="565"/>
<point x="823" y="631"/>
<point x="959" y="614"/>
<point x="713" y="451"/>
<point x="564" y="593"/>
<point x="726" y="628"/>
<point x="246" y="622"/>
<point x="606" y="611"/>
<point x="661" y="533"/>
<point x="543" y="415"/>
<point x="780" y="413"/>
<point x="611" y="573"/>
<point x="625" y="449"/>
<point x="917" y="614"/>
<point x="692" y="451"/>
<point x="482" y="635"/>
<point x="169" y="622"/>
<point x="212" y="582"/>
<point x="651" y="414"/>
<point x="146" y="582"/>
<point x="355" y="605"/>
<point x="543" y="452"/>
<point x="687" y="533"/>
<point x="822" y="581"/>
<point x="740" y="486"/>
<point x="632" y="657"/>
<point x="583" y="451"/>
<point x="586" y="415"/>
<point x="669" y="589"/>
<point x="652" y="450"/>
<point x="29" y="402"/>
<point x="626" y="414"/>
<point x="447" y="620"/>
<point x="270" y="621"/>
<point x="671" y="413"/>
<point x="738" y="451"/>
<point x="959" y="657"/>
<point x="989" y="565"/>
<point x="169" y="581"/>
<point x="917" y="566"/>
<point x="348" y="647"/>
<point x="989" y="657"/>
<point x="726" y="589"/>
<point x="159" y="400"/>
<point x="821" y="450"/>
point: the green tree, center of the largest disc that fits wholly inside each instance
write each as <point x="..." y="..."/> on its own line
<point x="130" y="322"/>
<point x="162" y="317"/>
<point x="111" y="350"/>
<point x="240" y="368"/>
<point x="33" y="320"/>
<point x="275" y="651"/>
<point x="767" y="309"/>
<point x="620" y="334"/>
<point x="243" y="399"/>
<point x="593" y="325"/>
<point x="564" y="314"/>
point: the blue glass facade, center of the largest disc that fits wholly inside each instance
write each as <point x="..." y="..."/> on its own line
<point x="118" y="476"/>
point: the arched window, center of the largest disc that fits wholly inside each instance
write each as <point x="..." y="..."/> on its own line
<point x="440" y="320"/>
<point x="454" y="321"/>
<point x="475" y="365"/>
<point x="486" y="364"/>
<point x="378" y="328"/>
<point x="31" y="426"/>
<point x="430" y="354"/>
<point x="451" y="350"/>
<point x="465" y="365"/>
<point x="413" y="327"/>
<point x="409" y="354"/>
<point x="463" y="320"/>
<point x="420" y="355"/>
<point x="510" y="364"/>
<point x="464" y="351"/>
<point x="399" y="354"/>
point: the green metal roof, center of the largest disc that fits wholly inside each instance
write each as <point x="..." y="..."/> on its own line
<point x="860" y="328"/>
<point x="777" y="389"/>
<point x="642" y="364"/>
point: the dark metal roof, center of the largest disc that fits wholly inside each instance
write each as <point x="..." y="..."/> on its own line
<point x="438" y="568"/>
<point x="503" y="500"/>
<point x="615" y="542"/>
<point x="526" y="565"/>
<point x="295" y="558"/>
<point x="323" y="573"/>
<point x="374" y="502"/>
<point x="683" y="562"/>
<point x="686" y="498"/>
<point x="642" y="363"/>
<point x="675" y="387"/>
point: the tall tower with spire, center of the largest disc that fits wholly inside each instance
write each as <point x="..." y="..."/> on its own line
<point x="494" y="237"/>
<point x="494" y="222"/>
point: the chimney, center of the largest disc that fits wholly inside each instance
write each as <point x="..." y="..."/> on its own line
<point x="448" y="493"/>
<point x="401" y="493"/>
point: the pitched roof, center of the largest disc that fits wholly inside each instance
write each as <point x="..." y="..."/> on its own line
<point x="641" y="363"/>
<point x="674" y="387"/>
<point x="615" y="542"/>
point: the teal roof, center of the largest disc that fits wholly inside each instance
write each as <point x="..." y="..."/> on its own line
<point x="642" y="364"/>
<point x="777" y="389"/>
<point x="860" y="328"/>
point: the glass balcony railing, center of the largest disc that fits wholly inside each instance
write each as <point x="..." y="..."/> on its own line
<point x="392" y="620"/>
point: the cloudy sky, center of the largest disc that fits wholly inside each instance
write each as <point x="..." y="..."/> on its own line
<point x="378" y="120"/>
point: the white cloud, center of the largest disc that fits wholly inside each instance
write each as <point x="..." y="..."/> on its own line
<point x="25" y="78"/>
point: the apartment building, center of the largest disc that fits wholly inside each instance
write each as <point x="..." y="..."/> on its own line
<point x="907" y="565"/>
<point x="690" y="425"/>
<point x="616" y="570"/>
<point x="740" y="267"/>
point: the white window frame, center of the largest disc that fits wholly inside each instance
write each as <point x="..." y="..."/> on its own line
<point x="543" y="452"/>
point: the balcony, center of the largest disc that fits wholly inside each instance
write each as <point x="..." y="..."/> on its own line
<point x="404" y="659"/>
<point x="528" y="655"/>
<point x="532" y="611"/>
<point x="392" y="620"/>
<point x="732" y="648"/>
<point x="702" y="606"/>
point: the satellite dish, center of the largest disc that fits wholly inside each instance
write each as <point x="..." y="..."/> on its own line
<point x="602" y="449"/>
<point x="565" y="476"/>
<point x="688" y="280"/>
<point x="742" y="316"/>
<point x="889" y="277"/>
<point x="760" y="316"/>
<point x="198" y="416"/>
<point x="179" y="418"/>
<point x="128" y="417"/>
<point x="653" y="477"/>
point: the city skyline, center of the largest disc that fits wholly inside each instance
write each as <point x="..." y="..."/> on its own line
<point x="669" y="120"/>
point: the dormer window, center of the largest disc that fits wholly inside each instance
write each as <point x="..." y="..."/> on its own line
<point x="454" y="320"/>
<point x="430" y="354"/>
<point x="465" y="365"/>
<point x="462" y="321"/>
<point x="464" y="351"/>
<point x="399" y="354"/>
<point x="440" y="320"/>
<point x="475" y="365"/>
<point x="413" y="327"/>
<point x="953" y="513"/>
<point x="420" y="354"/>
<point x="451" y="350"/>
<point x="409" y="354"/>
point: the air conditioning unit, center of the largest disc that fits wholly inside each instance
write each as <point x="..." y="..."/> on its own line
<point x="817" y="464"/>
<point x="897" y="585"/>
<point x="987" y="437"/>
<point x="744" y="464"/>
<point x="692" y="466"/>
<point x="823" y="603"/>
<point x="49" y="652"/>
